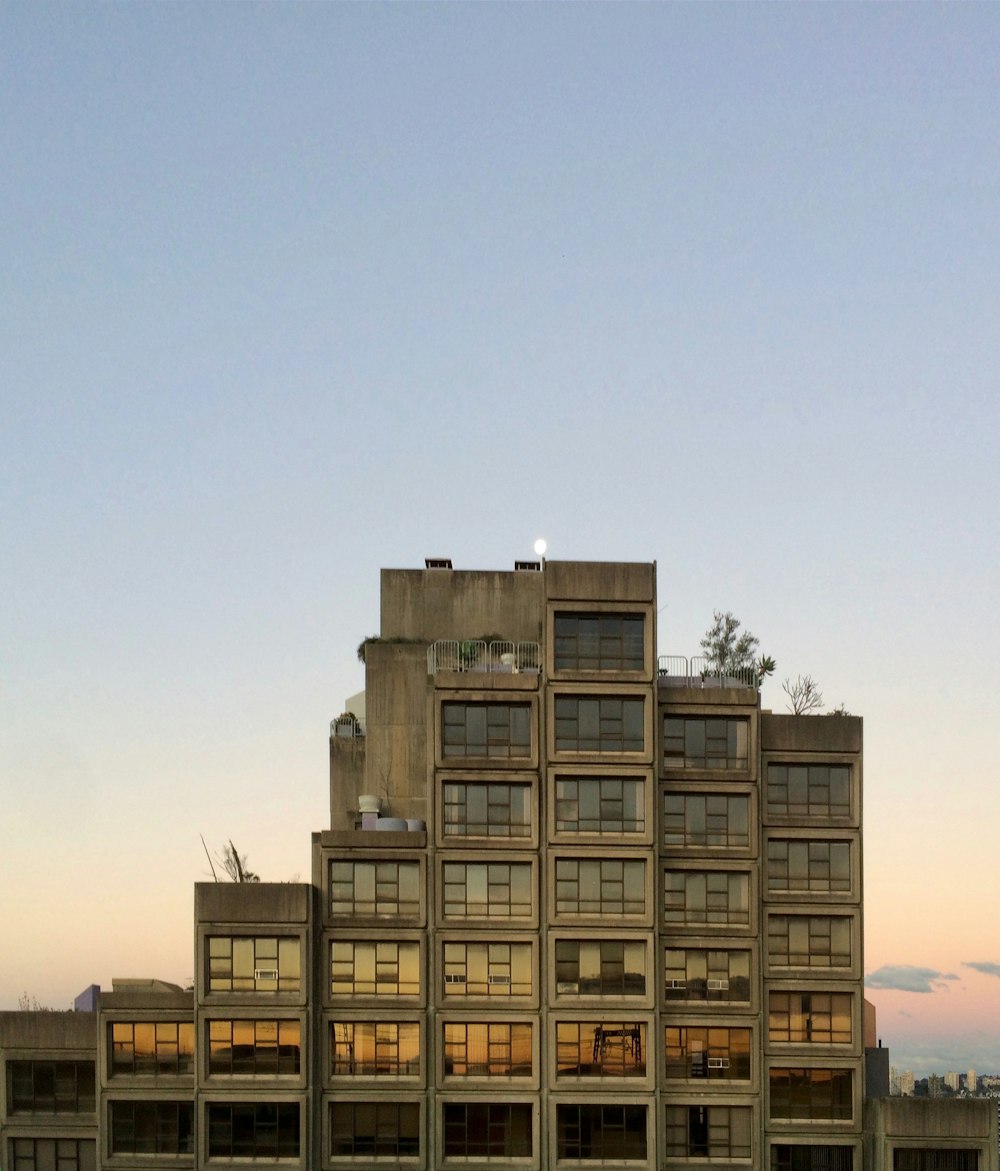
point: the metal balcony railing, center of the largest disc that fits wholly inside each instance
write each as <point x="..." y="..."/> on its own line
<point x="473" y="654"/>
<point x="679" y="671"/>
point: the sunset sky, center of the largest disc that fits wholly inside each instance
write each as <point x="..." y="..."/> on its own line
<point x="291" y="292"/>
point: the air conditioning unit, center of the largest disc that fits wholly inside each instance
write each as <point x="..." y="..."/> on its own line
<point x="265" y="973"/>
<point x="454" y="978"/>
<point x="718" y="985"/>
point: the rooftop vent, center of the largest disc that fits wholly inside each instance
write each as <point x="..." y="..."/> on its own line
<point x="531" y="566"/>
<point x="438" y="563"/>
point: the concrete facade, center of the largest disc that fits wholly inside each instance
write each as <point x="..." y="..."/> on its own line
<point x="577" y="906"/>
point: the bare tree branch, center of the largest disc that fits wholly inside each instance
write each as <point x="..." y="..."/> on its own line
<point x="804" y="694"/>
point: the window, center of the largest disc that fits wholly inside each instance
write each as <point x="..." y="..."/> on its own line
<point x="261" y="1048"/>
<point x="151" y="1128"/>
<point x="809" y="941"/>
<point x="712" y="974"/>
<point x="601" y="967"/>
<point x="600" y="1049"/>
<point x="54" y="1154"/>
<point x="378" y="1130"/>
<point x="142" y="1048"/>
<point x="801" y="1158"/>
<point x="806" y="791"/>
<point x="716" y="820"/>
<point x="600" y="886"/>
<point x="498" y="730"/>
<point x="599" y="642"/>
<point x="714" y="897"/>
<point x="487" y="1050"/>
<point x="375" y="888"/>
<point x="374" y="968"/>
<point x="929" y="1159"/>
<point x="598" y="723"/>
<point x="812" y="1093"/>
<point x="601" y="1133"/>
<point x="818" y="1018"/>
<point x="818" y="867"/>
<point x="51" y="1087"/>
<point x="253" y="964"/>
<point x="489" y="810"/>
<point x="488" y="890"/>
<point x="710" y="1053"/>
<point x="714" y="1132"/>
<point x="705" y="743"/>
<point x="375" y="1048"/>
<point x="487" y="969"/>
<point x="487" y="1130"/>
<point x="253" y="1130"/>
<point x="600" y="805"/>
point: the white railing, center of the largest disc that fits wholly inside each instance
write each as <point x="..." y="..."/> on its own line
<point x="679" y="671"/>
<point x="473" y="654"/>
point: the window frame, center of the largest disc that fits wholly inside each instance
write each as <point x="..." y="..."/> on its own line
<point x="376" y="1102"/>
<point x="183" y="1069"/>
<point x="562" y="994"/>
<point x="159" y="1108"/>
<point x="809" y="811"/>
<point x="499" y="969"/>
<point x="732" y="918"/>
<point x="560" y="1120"/>
<point x="259" y="1064"/>
<point x="688" y="839"/>
<point x="643" y="778"/>
<point x="56" y="1070"/>
<point x="500" y="841"/>
<point x="613" y="872"/>
<point x="835" y="1039"/>
<point x="446" y="757"/>
<point x="811" y="1088"/>
<point x="527" y="1034"/>
<point x="520" y="1158"/>
<point x="814" y="934"/>
<point x="713" y="1153"/>
<point x="393" y="1069"/>
<point x="626" y="1057"/>
<point x="609" y="744"/>
<point x="278" y="1105"/>
<point x="823" y="881"/>
<point x="82" y="1158"/>
<point x="381" y="906"/>
<point x="732" y="764"/>
<point x="724" y="1056"/>
<point x="415" y="950"/>
<point x="714" y="979"/>
<point x="496" y="880"/>
<point x="295" y="985"/>
<point x="605" y="661"/>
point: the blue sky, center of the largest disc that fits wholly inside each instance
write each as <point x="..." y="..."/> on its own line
<point x="291" y="292"/>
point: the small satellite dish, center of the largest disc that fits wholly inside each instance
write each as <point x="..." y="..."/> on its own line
<point x="540" y="547"/>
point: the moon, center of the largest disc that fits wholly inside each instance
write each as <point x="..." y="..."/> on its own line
<point x="540" y="546"/>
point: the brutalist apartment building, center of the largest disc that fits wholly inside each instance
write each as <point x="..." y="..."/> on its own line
<point x="578" y="905"/>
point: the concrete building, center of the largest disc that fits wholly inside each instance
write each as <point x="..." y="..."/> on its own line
<point x="577" y="906"/>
